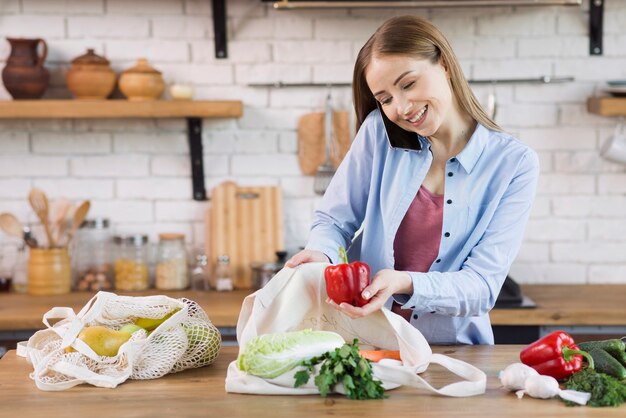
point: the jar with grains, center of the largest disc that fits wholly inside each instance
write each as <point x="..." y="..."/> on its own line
<point x="92" y="256"/>
<point x="171" y="270"/>
<point x="131" y="262"/>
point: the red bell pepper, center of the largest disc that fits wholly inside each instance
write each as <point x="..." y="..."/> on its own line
<point x="555" y="355"/>
<point x="345" y="282"/>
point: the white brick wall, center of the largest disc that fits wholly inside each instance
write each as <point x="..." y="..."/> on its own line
<point x="137" y="171"/>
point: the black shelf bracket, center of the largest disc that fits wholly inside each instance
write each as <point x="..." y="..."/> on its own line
<point x="194" y="135"/>
<point x="596" y="13"/>
<point x="219" y="28"/>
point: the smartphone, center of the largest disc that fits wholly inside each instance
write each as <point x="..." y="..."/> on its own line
<point x="398" y="137"/>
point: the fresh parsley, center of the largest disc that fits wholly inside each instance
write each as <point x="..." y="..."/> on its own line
<point x="605" y="390"/>
<point x="343" y="365"/>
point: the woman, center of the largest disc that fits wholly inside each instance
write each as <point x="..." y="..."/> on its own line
<point x="439" y="193"/>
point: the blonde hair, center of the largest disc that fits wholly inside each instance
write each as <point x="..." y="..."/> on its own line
<point x="415" y="37"/>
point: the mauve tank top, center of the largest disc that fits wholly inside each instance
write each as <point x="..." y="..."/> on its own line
<point x="416" y="244"/>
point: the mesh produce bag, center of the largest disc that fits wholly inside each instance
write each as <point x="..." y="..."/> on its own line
<point x="187" y="339"/>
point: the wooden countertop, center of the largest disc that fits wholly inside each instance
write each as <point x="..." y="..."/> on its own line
<point x="562" y="305"/>
<point x="24" y="312"/>
<point x="200" y="393"/>
<point x="568" y="305"/>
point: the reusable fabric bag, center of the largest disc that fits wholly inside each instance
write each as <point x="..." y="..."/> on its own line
<point x="179" y="343"/>
<point x="295" y="299"/>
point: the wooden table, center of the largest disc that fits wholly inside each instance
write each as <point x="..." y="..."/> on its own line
<point x="200" y="393"/>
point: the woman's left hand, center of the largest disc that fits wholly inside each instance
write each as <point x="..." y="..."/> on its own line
<point x="385" y="283"/>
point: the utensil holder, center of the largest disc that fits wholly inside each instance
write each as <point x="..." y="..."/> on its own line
<point x="49" y="271"/>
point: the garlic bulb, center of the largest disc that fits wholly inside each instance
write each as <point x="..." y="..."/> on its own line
<point x="525" y="380"/>
<point x="514" y="376"/>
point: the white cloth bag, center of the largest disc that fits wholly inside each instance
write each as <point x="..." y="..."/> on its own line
<point x="295" y="299"/>
<point x="179" y="343"/>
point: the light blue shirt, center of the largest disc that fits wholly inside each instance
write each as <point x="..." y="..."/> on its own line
<point x="489" y="191"/>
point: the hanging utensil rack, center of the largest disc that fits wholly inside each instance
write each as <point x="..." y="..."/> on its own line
<point x="546" y="79"/>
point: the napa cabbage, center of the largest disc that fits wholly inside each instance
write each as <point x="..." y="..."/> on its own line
<point x="271" y="355"/>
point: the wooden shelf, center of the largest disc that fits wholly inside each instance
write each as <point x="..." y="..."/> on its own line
<point x="607" y="106"/>
<point x="110" y="109"/>
<point x="193" y="110"/>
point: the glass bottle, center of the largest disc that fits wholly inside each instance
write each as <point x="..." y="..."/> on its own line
<point x="92" y="256"/>
<point x="20" y="272"/>
<point x="6" y="274"/>
<point x="200" y="274"/>
<point x="223" y="276"/>
<point x="171" y="270"/>
<point x="131" y="262"/>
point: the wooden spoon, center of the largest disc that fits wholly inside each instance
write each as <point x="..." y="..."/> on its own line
<point x="60" y="209"/>
<point x="79" y="217"/>
<point x="11" y="225"/>
<point x="39" y="202"/>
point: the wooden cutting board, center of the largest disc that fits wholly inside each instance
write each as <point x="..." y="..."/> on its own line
<point x="245" y="223"/>
<point x="311" y="140"/>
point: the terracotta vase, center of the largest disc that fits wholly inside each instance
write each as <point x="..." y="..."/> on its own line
<point x="142" y="82"/>
<point x="24" y="75"/>
<point x="90" y="77"/>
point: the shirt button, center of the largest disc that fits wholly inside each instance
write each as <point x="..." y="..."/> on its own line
<point x="449" y="201"/>
<point x="438" y="260"/>
<point x="452" y="159"/>
<point x="447" y="234"/>
<point x="415" y="316"/>
<point x="450" y="174"/>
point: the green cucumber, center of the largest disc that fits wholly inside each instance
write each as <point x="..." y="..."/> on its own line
<point x="606" y="363"/>
<point x="614" y="347"/>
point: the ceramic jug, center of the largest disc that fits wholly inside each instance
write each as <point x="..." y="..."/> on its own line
<point x="24" y="75"/>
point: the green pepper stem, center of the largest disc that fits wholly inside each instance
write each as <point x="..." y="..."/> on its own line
<point x="343" y="255"/>
<point x="568" y="353"/>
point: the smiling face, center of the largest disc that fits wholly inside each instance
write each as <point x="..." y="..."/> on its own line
<point x="414" y="94"/>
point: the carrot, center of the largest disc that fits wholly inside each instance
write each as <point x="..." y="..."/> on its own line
<point x="377" y="355"/>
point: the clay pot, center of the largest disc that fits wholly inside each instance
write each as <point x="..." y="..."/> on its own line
<point x="142" y="82"/>
<point x="24" y="75"/>
<point x="90" y="77"/>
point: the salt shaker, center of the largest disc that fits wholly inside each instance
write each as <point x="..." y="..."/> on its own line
<point x="200" y="274"/>
<point x="223" y="277"/>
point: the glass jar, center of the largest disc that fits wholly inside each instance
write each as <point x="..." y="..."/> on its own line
<point x="131" y="262"/>
<point x="92" y="256"/>
<point x="171" y="270"/>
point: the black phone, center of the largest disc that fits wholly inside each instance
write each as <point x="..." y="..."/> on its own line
<point x="399" y="137"/>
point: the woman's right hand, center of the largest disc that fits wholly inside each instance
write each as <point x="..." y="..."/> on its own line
<point x="307" y="256"/>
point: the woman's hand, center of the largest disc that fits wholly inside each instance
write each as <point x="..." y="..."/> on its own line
<point x="384" y="284"/>
<point x="307" y="256"/>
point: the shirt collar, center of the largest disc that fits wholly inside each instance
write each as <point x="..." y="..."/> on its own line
<point x="399" y="138"/>
<point x="468" y="157"/>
